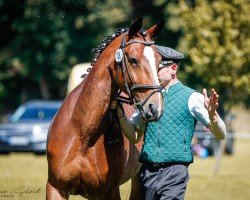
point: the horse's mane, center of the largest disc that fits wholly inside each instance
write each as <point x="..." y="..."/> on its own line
<point x="105" y="42"/>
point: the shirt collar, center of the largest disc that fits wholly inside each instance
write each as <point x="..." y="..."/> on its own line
<point x="166" y="89"/>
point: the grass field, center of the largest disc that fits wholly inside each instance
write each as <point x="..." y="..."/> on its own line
<point x="23" y="176"/>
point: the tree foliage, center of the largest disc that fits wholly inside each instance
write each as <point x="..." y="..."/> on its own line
<point x="41" y="40"/>
<point x="215" y="36"/>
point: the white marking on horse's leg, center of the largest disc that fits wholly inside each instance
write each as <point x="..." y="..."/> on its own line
<point x="149" y="54"/>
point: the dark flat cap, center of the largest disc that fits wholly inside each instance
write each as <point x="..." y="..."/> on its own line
<point x="169" y="53"/>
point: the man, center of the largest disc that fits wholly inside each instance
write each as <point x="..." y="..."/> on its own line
<point x="166" y="152"/>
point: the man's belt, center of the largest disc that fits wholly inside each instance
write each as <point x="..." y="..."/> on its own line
<point x="164" y="164"/>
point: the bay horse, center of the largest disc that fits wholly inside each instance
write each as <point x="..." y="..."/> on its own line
<point x="86" y="152"/>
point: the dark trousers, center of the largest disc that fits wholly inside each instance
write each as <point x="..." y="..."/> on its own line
<point x="163" y="182"/>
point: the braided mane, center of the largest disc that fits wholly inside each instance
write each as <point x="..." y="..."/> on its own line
<point x="98" y="50"/>
<point x="105" y="42"/>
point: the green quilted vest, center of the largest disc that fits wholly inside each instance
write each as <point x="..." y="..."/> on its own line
<point x="169" y="139"/>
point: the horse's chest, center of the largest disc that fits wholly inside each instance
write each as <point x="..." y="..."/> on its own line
<point x="131" y="163"/>
<point x="97" y="177"/>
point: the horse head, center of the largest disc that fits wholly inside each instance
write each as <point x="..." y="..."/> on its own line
<point x="137" y="62"/>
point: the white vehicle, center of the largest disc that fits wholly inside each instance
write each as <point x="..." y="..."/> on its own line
<point x="76" y="75"/>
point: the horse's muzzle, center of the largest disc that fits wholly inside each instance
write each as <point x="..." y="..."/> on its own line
<point x="152" y="113"/>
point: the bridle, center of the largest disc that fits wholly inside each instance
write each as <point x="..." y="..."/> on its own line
<point x="122" y="65"/>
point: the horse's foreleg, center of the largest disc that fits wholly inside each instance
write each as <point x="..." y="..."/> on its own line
<point x="135" y="188"/>
<point x="53" y="194"/>
<point x="114" y="194"/>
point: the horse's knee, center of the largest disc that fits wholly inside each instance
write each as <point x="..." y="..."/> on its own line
<point x="53" y="193"/>
<point x="135" y="193"/>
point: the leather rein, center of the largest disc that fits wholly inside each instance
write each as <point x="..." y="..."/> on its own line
<point x="120" y="57"/>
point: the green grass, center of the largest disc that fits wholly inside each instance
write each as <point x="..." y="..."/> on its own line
<point x="232" y="182"/>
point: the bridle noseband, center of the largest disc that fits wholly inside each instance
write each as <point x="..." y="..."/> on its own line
<point x="120" y="59"/>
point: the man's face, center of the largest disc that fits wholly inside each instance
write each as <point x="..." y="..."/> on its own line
<point x="165" y="74"/>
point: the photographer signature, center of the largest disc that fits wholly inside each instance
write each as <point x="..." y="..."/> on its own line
<point x="20" y="191"/>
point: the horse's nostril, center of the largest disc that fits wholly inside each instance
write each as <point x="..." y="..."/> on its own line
<point x="153" y="109"/>
<point x="148" y="116"/>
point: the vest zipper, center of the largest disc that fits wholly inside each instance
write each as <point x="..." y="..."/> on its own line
<point x="158" y="143"/>
<point x="159" y="131"/>
<point x="185" y="149"/>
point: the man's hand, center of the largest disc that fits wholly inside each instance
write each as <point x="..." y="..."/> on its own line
<point x="211" y="104"/>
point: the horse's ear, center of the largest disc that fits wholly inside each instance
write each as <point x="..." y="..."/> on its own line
<point x="156" y="29"/>
<point x="135" y="27"/>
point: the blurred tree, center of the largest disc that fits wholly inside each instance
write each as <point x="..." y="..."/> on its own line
<point x="153" y="11"/>
<point x="215" y="36"/>
<point x="40" y="40"/>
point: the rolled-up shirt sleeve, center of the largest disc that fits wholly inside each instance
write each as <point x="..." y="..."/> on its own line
<point x="197" y="109"/>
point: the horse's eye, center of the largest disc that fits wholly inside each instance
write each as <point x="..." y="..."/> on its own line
<point x="133" y="60"/>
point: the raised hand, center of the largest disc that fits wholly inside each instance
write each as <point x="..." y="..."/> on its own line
<point x="211" y="104"/>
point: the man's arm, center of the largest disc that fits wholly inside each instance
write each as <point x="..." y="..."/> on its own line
<point x="204" y="111"/>
<point x="132" y="128"/>
<point x="218" y="128"/>
<point x="216" y="125"/>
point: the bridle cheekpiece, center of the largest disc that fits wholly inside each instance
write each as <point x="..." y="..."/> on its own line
<point x="122" y="65"/>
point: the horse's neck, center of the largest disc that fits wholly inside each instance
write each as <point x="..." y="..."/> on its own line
<point x="93" y="102"/>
